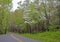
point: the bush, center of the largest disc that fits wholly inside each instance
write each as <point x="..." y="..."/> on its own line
<point x="54" y="28"/>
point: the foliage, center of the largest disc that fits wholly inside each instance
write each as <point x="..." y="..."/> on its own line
<point x="30" y="17"/>
<point x="36" y="16"/>
<point x="4" y="11"/>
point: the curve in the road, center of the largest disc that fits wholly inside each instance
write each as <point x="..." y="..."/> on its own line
<point x="19" y="40"/>
<point x="11" y="37"/>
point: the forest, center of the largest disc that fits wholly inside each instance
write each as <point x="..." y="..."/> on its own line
<point x="32" y="16"/>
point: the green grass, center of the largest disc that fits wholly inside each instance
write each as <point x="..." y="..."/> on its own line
<point x="45" y="36"/>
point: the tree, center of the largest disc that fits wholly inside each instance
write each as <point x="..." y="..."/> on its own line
<point x="4" y="10"/>
<point x="35" y="16"/>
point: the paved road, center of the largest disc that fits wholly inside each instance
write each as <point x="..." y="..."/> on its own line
<point x="15" y="38"/>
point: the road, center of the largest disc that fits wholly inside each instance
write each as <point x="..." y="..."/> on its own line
<point x="11" y="37"/>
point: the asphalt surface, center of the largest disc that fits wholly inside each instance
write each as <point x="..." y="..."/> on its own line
<point x="15" y="38"/>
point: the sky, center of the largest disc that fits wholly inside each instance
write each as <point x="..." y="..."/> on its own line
<point x="15" y="5"/>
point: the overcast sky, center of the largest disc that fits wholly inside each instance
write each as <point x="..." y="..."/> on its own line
<point x="15" y="4"/>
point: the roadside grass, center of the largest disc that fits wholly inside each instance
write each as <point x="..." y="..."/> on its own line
<point x="45" y="36"/>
